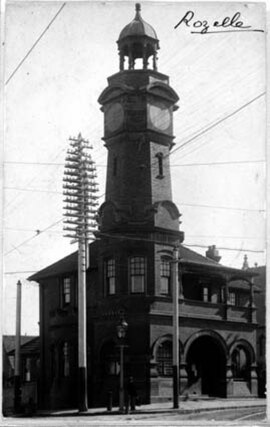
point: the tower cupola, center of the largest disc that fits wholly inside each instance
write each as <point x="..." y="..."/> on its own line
<point x="138" y="40"/>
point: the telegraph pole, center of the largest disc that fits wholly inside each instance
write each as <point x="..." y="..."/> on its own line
<point x="175" y="286"/>
<point x="80" y="210"/>
<point x="17" y="370"/>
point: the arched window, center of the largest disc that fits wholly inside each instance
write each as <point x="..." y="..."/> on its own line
<point x="164" y="359"/>
<point x="240" y="368"/>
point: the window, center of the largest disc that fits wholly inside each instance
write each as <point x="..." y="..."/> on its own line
<point x="66" y="290"/>
<point x="26" y="369"/>
<point x="164" y="359"/>
<point x="165" y="277"/>
<point x="206" y="294"/>
<point x="160" y="165"/>
<point x="222" y="295"/>
<point x="110" y="276"/>
<point x="232" y="298"/>
<point x="137" y="274"/>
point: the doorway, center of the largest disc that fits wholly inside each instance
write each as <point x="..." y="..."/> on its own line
<point x="206" y="367"/>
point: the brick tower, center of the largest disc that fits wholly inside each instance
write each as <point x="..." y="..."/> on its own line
<point x="138" y="106"/>
<point x="138" y="222"/>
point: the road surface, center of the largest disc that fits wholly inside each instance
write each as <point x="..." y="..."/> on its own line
<point x="166" y="417"/>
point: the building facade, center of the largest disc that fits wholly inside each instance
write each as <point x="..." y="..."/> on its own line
<point x="29" y="368"/>
<point x="130" y="265"/>
<point x="260" y="283"/>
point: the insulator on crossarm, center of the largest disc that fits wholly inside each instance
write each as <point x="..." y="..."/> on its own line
<point x="70" y="190"/>
<point x="71" y="166"/>
<point x="70" y="222"/>
<point x="72" y="215"/>
<point x="73" y="229"/>
<point x="72" y="157"/>
<point x="72" y="174"/>
<point x="71" y="183"/>
<point x="71" y="236"/>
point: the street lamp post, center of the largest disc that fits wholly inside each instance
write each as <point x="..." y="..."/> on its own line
<point x="121" y="333"/>
<point x="17" y="370"/>
<point x="175" y="281"/>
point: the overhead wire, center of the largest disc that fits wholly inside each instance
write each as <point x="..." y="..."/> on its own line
<point x="206" y="206"/>
<point x="36" y="176"/>
<point x="36" y="42"/>
<point x="178" y="148"/>
<point x="223" y="207"/>
<point x="167" y="61"/>
<point x="33" y="237"/>
<point x="231" y="162"/>
<point x="212" y="125"/>
<point x="218" y="122"/>
<point x="123" y="237"/>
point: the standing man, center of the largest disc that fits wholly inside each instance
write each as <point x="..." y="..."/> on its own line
<point x="131" y="395"/>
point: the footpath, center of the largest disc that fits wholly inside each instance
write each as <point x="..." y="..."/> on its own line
<point x="185" y="407"/>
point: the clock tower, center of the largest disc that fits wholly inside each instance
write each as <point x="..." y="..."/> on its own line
<point x="138" y="106"/>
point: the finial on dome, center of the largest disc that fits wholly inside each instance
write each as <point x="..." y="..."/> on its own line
<point x="138" y="40"/>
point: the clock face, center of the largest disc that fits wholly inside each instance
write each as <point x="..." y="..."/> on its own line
<point x="114" y="117"/>
<point x="160" y="116"/>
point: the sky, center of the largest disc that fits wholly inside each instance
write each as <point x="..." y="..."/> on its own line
<point x="217" y="163"/>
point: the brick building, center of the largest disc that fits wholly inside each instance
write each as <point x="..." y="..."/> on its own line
<point x="260" y="283"/>
<point x="29" y="367"/>
<point x="130" y="265"/>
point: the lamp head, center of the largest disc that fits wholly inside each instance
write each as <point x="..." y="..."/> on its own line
<point x="122" y="328"/>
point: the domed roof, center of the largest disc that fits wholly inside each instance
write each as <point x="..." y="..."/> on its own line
<point x="138" y="27"/>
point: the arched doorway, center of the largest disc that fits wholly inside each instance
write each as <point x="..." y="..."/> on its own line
<point x="206" y="367"/>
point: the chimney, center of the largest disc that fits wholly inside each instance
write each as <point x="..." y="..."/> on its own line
<point x="212" y="253"/>
<point x="245" y="265"/>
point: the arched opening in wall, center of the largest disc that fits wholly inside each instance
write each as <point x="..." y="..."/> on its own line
<point x="240" y="364"/>
<point x="206" y="367"/>
<point x="109" y="359"/>
<point x="106" y="375"/>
